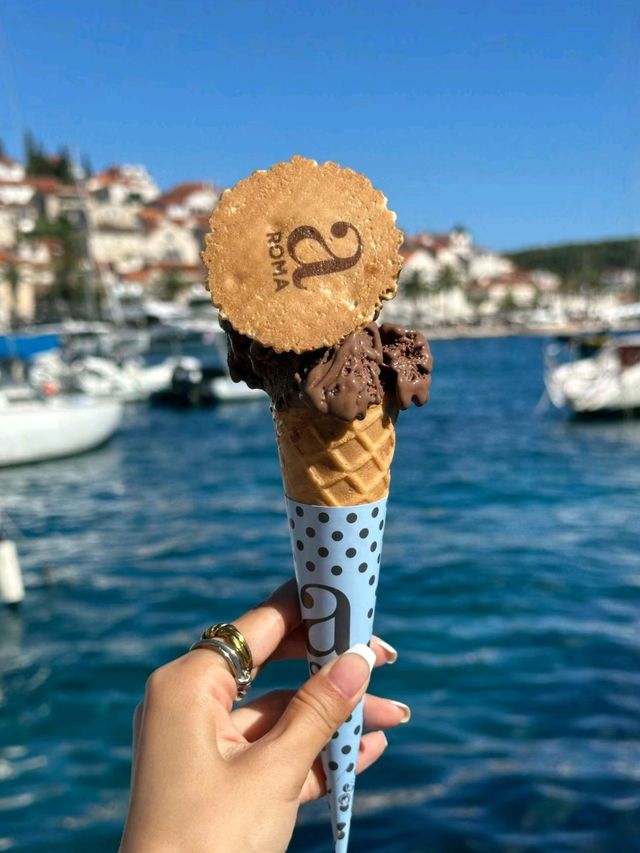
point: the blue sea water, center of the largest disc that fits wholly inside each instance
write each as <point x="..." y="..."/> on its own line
<point x="510" y="585"/>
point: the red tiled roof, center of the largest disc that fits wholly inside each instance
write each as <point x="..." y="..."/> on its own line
<point x="138" y="275"/>
<point x="181" y="192"/>
<point x="112" y="175"/>
<point x="150" y="218"/>
<point x="151" y="269"/>
<point x="47" y="186"/>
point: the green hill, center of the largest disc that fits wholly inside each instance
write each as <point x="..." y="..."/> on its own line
<point x="575" y="260"/>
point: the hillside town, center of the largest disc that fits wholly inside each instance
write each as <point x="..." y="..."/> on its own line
<point x="98" y="244"/>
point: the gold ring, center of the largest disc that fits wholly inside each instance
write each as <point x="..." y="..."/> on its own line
<point x="226" y="640"/>
<point x="227" y="631"/>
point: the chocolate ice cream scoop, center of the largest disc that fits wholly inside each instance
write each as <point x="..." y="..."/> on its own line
<point x="346" y="381"/>
<point x="407" y="365"/>
<point x="343" y="381"/>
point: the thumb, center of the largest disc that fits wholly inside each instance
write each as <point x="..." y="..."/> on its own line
<point x="321" y="705"/>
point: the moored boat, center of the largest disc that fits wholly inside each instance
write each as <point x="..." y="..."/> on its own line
<point x="602" y="377"/>
<point x="198" y="384"/>
<point x="33" y="429"/>
<point x="130" y="382"/>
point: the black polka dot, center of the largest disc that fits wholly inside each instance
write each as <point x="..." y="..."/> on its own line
<point x="324" y="517"/>
<point x="345" y="750"/>
<point x="335" y="735"/>
<point x="333" y="765"/>
<point x="299" y="511"/>
<point x="336" y="535"/>
<point x="336" y="570"/>
<point x="350" y="552"/>
<point x="310" y="532"/>
<point x="352" y="517"/>
<point x="299" y="545"/>
<point x="374" y="546"/>
<point x="381" y="525"/>
<point x="350" y="767"/>
<point x="324" y="552"/>
<point x="329" y="790"/>
<point x="349" y="718"/>
<point x="340" y="835"/>
<point x="340" y="825"/>
<point x="292" y="523"/>
<point x="311" y="566"/>
<point x="344" y="808"/>
<point x="372" y="580"/>
<point x="379" y="557"/>
<point x="375" y="512"/>
<point x="364" y="533"/>
<point x="370" y="613"/>
<point x="363" y="567"/>
<point x="356" y="731"/>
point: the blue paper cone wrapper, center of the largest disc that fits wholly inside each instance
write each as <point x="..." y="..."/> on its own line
<point x="337" y="553"/>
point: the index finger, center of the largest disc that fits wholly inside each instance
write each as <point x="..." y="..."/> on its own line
<point x="269" y="623"/>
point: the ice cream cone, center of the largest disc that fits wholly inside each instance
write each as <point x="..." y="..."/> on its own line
<point x="326" y="461"/>
<point x="337" y="554"/>
<point x="336" y="478"/>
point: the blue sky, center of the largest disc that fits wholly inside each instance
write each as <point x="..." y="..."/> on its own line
<point x="520" y="120"/>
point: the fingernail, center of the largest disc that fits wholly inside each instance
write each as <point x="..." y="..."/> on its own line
<point x="392" y="654"/>
<point x="406" y="710"/>
<point x="351" y="671"/>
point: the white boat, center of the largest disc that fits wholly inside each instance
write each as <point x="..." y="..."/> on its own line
<point x="99" y="377"/>
<point x="34" y="429"/>
<point x="603" y="378"/>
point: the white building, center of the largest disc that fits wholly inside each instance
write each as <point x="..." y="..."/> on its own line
<point x="188" y="199"/>
<point x="10" y="170"/>
<point x="123" y="185"/>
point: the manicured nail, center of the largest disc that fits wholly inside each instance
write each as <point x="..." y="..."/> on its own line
<point x="392" y="654"/>
<point x="351" y="671"/>
<point x="406" y="710"/>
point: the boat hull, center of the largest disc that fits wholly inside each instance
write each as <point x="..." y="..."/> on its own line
<point x="606" y="383"/>
<point x="40" y="430"/>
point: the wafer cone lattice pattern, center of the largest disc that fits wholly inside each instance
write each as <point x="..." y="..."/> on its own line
<point x="329" y="462"/>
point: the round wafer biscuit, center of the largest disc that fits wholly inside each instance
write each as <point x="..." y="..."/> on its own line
<point x="302" y="255"/>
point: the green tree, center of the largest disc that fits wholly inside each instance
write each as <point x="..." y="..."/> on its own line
<point x="446" y="281"/>
<point x="40" y="164"/>
<point x="11" y="275"/>
<point x="476" y="296"/>
<point x="170" y="286"/>
<point x="508" y="304"/>
<point x="67" y="295"/>
<point x="414" y="288"/>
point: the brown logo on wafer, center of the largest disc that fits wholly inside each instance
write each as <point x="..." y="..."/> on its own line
<point x="301" y="255"/>
<point x="337" y="263"/>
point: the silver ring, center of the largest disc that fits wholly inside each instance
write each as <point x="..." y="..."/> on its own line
<point x="241" y="674"/>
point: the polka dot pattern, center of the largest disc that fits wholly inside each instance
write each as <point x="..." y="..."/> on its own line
<point x="337" y="553"/>
<point x="339" y="547"/>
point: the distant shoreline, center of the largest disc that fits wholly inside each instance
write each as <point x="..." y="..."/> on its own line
<point x="446" y="333"/>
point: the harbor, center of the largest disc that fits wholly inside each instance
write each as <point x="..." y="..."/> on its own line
<point x="509" y="585"/>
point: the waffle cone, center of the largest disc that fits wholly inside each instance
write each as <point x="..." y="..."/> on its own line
<point x="326" y="461"/>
